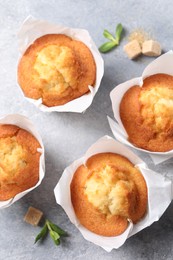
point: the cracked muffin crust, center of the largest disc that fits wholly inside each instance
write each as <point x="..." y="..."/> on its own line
<point x="19" y="161"/>
<point x="57" y="69"/>
<point x="107" y="192"/>
<point x="147" y="113"/>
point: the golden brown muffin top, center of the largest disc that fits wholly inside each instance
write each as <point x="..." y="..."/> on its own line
<point x="107" y="189"/>
<point x="107" y="192"/>
<point x="156" y="102"/>
<point x="57" y="69"/>
<point x="147" y="113"/>
<point x="19" y="161"/>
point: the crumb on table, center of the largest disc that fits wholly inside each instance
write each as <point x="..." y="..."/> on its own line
<point x="33" y="216"/>
<point x="140" y="35"/>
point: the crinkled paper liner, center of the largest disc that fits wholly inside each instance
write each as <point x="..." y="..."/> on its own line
<point x="33" y="29"/>
<point x="163" y="64"/>
<point x="25" y="123"/>
<point x="159" y="193"/>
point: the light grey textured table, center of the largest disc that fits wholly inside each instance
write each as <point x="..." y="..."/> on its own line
<point x="67" y="135"/>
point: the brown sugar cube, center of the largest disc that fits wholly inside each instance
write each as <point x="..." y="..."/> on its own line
<point x="133" y="49"/>
<point x="151" y="48"/>
<point x="33" y="216"/>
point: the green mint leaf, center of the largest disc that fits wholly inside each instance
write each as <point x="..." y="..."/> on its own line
<point x="55" y="237"/>
<point x="114" y="41"/>
<point x="48" y="224"/>
<point x="57" y="229"/>
<point x="119" y="30"/>
<point x="107" y="46"/>
<point x="54" y="231"/>
<point x="42" y="233"/>
<point x="57" y="242"/>
<point x="108" y="35"/>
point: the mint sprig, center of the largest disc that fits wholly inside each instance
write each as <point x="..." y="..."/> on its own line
<point x="42" y="233"/>
<point x="55" y="232"/>
<point x="114" y="40"/>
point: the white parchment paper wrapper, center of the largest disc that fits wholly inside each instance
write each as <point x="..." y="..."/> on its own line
<point x="33" y="29"/>
<point x="159" y="193"/>
<point x="163" y="64"/>
<point x="25" y="123"/>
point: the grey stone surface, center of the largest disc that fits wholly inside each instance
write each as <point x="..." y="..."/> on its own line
<point x="67" y="135"/>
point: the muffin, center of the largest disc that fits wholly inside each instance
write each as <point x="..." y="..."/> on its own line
<point x="19" y="161"/>
<point x="57" y="69"/>
<point x="107" y="192"/>
<point x="147" y="113"/>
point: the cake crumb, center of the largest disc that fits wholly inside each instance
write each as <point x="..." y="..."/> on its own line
<point x="33" y="216"/>
<point x="139" y="35"/>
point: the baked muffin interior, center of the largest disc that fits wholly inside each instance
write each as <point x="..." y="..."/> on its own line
<point x="108" y="192"/>
<point x="19" y="161"/>
<point x="56" y="68"/>
<point x="147" y="113"/>
<point x="61" y="69"/>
